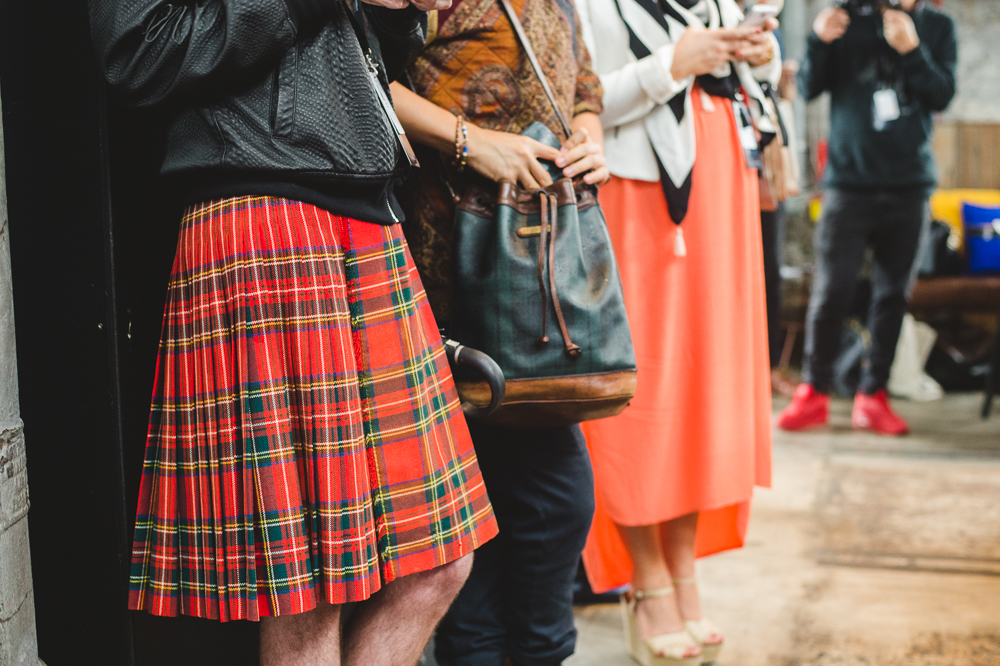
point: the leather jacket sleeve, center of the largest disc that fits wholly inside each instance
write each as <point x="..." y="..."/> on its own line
<point x="153" y="50"/>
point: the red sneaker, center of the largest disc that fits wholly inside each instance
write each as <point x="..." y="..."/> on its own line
<point x="872" y="412"/>
<point x="808" y="408"/>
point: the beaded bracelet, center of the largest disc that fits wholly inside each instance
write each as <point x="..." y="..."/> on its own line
<point x="461" y="144"/>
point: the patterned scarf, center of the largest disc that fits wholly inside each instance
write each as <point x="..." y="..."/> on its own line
<point x="724" y="83"/>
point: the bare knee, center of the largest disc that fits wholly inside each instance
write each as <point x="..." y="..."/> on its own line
<point x="461" y="568"/>
<point x="452" y="576"/>
<point x="445" y="581"/>
<point x="437" y="586"/>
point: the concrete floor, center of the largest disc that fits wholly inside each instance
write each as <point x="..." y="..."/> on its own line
<point x="868" y="551"/>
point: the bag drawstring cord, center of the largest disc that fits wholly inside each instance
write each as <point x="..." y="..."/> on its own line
<point x="547" y="245"/>
<point x="543" y="241"/>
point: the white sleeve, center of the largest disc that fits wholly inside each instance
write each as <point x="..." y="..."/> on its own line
<point x="632" y="92"/>
<point x="635" y="89"/>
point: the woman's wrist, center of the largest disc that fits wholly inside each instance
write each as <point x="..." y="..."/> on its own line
<point x="473" y="141"/>
<point x="478" y="146"/>
<point x="766" y="58"/>
<point x="678" y="72"/>
<point x="425" y="123"/>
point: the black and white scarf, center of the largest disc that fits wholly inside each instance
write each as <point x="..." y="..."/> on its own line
<point x="670" y="127"/>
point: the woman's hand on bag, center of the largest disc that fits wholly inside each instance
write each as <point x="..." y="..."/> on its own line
<point x="582" y="154"/>
<point x="505" y="156"/>
<point x="700" y="51"/>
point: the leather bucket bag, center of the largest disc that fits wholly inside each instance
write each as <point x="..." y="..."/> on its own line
<point x="536" y="287"/>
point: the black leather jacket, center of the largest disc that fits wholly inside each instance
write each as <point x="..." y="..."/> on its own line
<point x="269" y="97"/>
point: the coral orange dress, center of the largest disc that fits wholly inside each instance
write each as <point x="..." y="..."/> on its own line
<point x="697" y="435"/>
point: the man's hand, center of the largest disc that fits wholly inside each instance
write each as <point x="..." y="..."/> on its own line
<point x="831" y="24"/>
<point x="422" y="5"/>
<point x="391" y="4"/>
<point x="899" y="31"/>
<point x="431" y="5"/>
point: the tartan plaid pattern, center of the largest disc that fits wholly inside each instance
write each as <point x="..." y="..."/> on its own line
<point x="305" y="439"/>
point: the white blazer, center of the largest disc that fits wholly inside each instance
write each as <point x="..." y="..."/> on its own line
<point x="636" y="120"/>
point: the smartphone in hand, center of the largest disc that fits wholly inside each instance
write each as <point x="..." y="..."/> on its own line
<point x="757" y="15"/>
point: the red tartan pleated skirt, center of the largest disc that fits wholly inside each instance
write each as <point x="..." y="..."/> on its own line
<point x="306" y="442"/>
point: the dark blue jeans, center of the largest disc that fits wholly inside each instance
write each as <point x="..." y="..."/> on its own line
<point x="772" y="232"/>
<point x="890" y="223"/>
<point x="518" y="601"/>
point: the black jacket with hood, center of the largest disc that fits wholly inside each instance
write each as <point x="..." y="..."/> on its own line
<point x="897" y="156"/>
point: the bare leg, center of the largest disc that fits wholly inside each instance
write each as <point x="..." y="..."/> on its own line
<point x="657" y="615"/>
<point x="304" y="639"/>
<point x="392" y="628"/>
<point x="678" y="548"/>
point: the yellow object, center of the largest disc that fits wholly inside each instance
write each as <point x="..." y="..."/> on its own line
<point x="946" y="206"/>
<point x="815" y="208"/>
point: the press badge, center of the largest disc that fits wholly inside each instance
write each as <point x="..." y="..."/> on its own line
<point x="748" y="137"/>
<point x="885" y="108"/>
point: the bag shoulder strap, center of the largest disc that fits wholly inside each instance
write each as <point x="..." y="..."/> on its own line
<point x="515" y="23"/>
<point x="359" y="29"/>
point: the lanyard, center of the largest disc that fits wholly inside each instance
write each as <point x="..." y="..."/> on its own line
<point x="377" y="81"/>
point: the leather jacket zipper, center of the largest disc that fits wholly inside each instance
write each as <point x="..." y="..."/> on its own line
<point x="388" y="204"/>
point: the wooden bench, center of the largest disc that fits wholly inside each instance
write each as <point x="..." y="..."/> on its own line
<point x="977" y="293"/>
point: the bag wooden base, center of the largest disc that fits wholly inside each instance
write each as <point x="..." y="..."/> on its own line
<point x="554" y="401"/>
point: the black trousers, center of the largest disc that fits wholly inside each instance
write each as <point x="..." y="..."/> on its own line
<point x="890" y="222"/>
<point x="772" y="231"/>
<point x="518" y="601"/>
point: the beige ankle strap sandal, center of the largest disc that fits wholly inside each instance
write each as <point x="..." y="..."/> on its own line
<point x="639" y="595"/>
<point x="707" y="634"/>
<point x="678" y="648"/>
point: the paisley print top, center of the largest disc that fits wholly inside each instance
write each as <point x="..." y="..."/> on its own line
<point x="473" y="65"/>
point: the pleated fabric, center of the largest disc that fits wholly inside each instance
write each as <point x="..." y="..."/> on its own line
<point x="697" y="435"/>
<point x="305" y="440"/>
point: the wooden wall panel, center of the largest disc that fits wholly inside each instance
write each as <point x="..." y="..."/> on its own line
<point x="968" y="154"/>
<point x="945" y="145"/>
